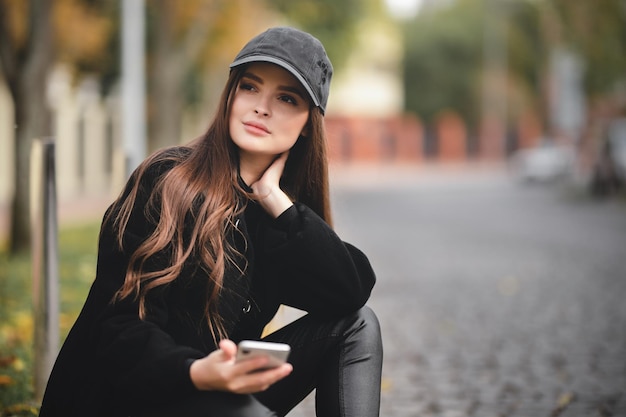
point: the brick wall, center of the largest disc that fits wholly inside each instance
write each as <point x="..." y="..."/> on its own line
<point x="402" y="139"/>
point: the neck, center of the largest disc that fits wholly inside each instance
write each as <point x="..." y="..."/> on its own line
<point x="251" y="169"/>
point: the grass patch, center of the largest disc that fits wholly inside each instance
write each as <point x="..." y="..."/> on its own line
<point x="77" y="268"/>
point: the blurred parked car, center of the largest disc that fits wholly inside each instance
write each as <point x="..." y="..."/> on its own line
<point x="548" y="161"/>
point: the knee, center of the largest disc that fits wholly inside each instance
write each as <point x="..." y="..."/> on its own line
<point x="367" y="326"/>
<point x="369" y="318"/>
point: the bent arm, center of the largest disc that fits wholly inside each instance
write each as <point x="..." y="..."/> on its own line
<point x="309" y="267"/>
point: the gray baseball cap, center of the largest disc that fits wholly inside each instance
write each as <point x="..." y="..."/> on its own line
<point x="296" y="51"/>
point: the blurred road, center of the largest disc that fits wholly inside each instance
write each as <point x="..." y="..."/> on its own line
<point x="495" y="298"/>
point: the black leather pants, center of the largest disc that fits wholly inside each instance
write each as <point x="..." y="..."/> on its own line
<point x="340" y="358"/>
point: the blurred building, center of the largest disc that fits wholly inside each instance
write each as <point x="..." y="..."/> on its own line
<point x="370" y="83"/>
<point x="366" y="121"/>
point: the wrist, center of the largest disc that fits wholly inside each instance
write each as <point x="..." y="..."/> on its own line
<point x="194" y="374"/>
<point x="198" y="376"/>
<point x="276" y="202"/>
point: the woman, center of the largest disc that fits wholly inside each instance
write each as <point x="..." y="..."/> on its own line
<point x="204" y="244"/>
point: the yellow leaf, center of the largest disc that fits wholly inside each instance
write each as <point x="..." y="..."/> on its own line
<point x="5" y="380"/>
<point x="19" y="365"/>
<point x="386" y="385"/>
<point x="21" y="408"/>
<point x="566" y="399"/>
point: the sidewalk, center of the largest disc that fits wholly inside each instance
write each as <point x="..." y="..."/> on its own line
<point x="70" y="211"/>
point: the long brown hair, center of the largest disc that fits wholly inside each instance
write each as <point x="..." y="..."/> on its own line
<point x="204" y="184"/>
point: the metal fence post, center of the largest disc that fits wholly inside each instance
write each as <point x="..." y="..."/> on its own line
<point x="44" y="228"/>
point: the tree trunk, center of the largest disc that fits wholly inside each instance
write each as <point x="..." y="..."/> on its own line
<point x="26" y="71"/>
<point x="174" y="55"/>
<point x="165" y="80"/>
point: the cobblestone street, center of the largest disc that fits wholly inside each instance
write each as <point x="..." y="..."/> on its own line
<point x="495" y="298"/>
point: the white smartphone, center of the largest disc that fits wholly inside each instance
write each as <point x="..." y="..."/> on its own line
<point x="277" y="352"/>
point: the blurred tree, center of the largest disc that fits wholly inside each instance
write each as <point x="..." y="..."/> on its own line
<point x="31" y="33"/>
<point x="444" y="53"/>
<point x="83" y="30"/>
<point x="594" y="31"/>
<point x="26" y="52"/>
<point x="597" y="31"/>
<point x="178" y="33"/>
<point x="527" y="61"/>
<point x="443" y="57"/>
<point x="332" y="22"/>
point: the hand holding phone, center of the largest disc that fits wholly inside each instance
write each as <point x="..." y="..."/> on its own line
<point x="218" y="372"/>
<point x="276" y="352"/>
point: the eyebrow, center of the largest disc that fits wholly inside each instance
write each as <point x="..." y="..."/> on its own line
<point x="287" y="88"/>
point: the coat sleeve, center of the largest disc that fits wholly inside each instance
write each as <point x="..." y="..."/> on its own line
<point x="138" y="357"/>
<point x="307" y="266"/>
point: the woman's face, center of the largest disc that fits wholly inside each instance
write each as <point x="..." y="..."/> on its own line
<point x="268" y="113"/>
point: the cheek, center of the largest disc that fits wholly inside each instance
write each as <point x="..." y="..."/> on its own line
<point x="235" y="107"/>
<point x="235" y="112"/>
<point x="299" y="123"/>
<point x="296" y="127"/>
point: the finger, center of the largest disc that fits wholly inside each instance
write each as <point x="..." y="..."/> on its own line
<point x="262" y="380"/>
<point x="228" y="348"/>
<point x="250" y="365"/>
<point x="279" y="163"/>
<point x="271" y="376"/>
<point x="282" y="160"/>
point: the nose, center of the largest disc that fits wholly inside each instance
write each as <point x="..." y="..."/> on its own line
<point x="262" y="106"/>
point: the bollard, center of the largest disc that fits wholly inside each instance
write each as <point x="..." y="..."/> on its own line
<point x="44" y="227"/>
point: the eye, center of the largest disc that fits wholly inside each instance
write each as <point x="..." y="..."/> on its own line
<point x="246" y="86"/>
<point x="288" y="99"/>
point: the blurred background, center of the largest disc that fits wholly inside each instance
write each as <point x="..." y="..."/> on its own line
<point x="498" y="110"/>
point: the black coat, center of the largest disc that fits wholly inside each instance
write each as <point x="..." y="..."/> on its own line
<point x="112" y="361"/>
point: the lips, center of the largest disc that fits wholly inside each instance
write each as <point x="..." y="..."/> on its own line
<point x="256" y="128"/>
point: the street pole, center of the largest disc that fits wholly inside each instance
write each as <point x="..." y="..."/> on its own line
<point x="133" y="83"/>
<point x="45" y="263"/>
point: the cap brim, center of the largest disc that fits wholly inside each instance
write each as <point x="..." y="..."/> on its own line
<point x="281" y="63"/>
